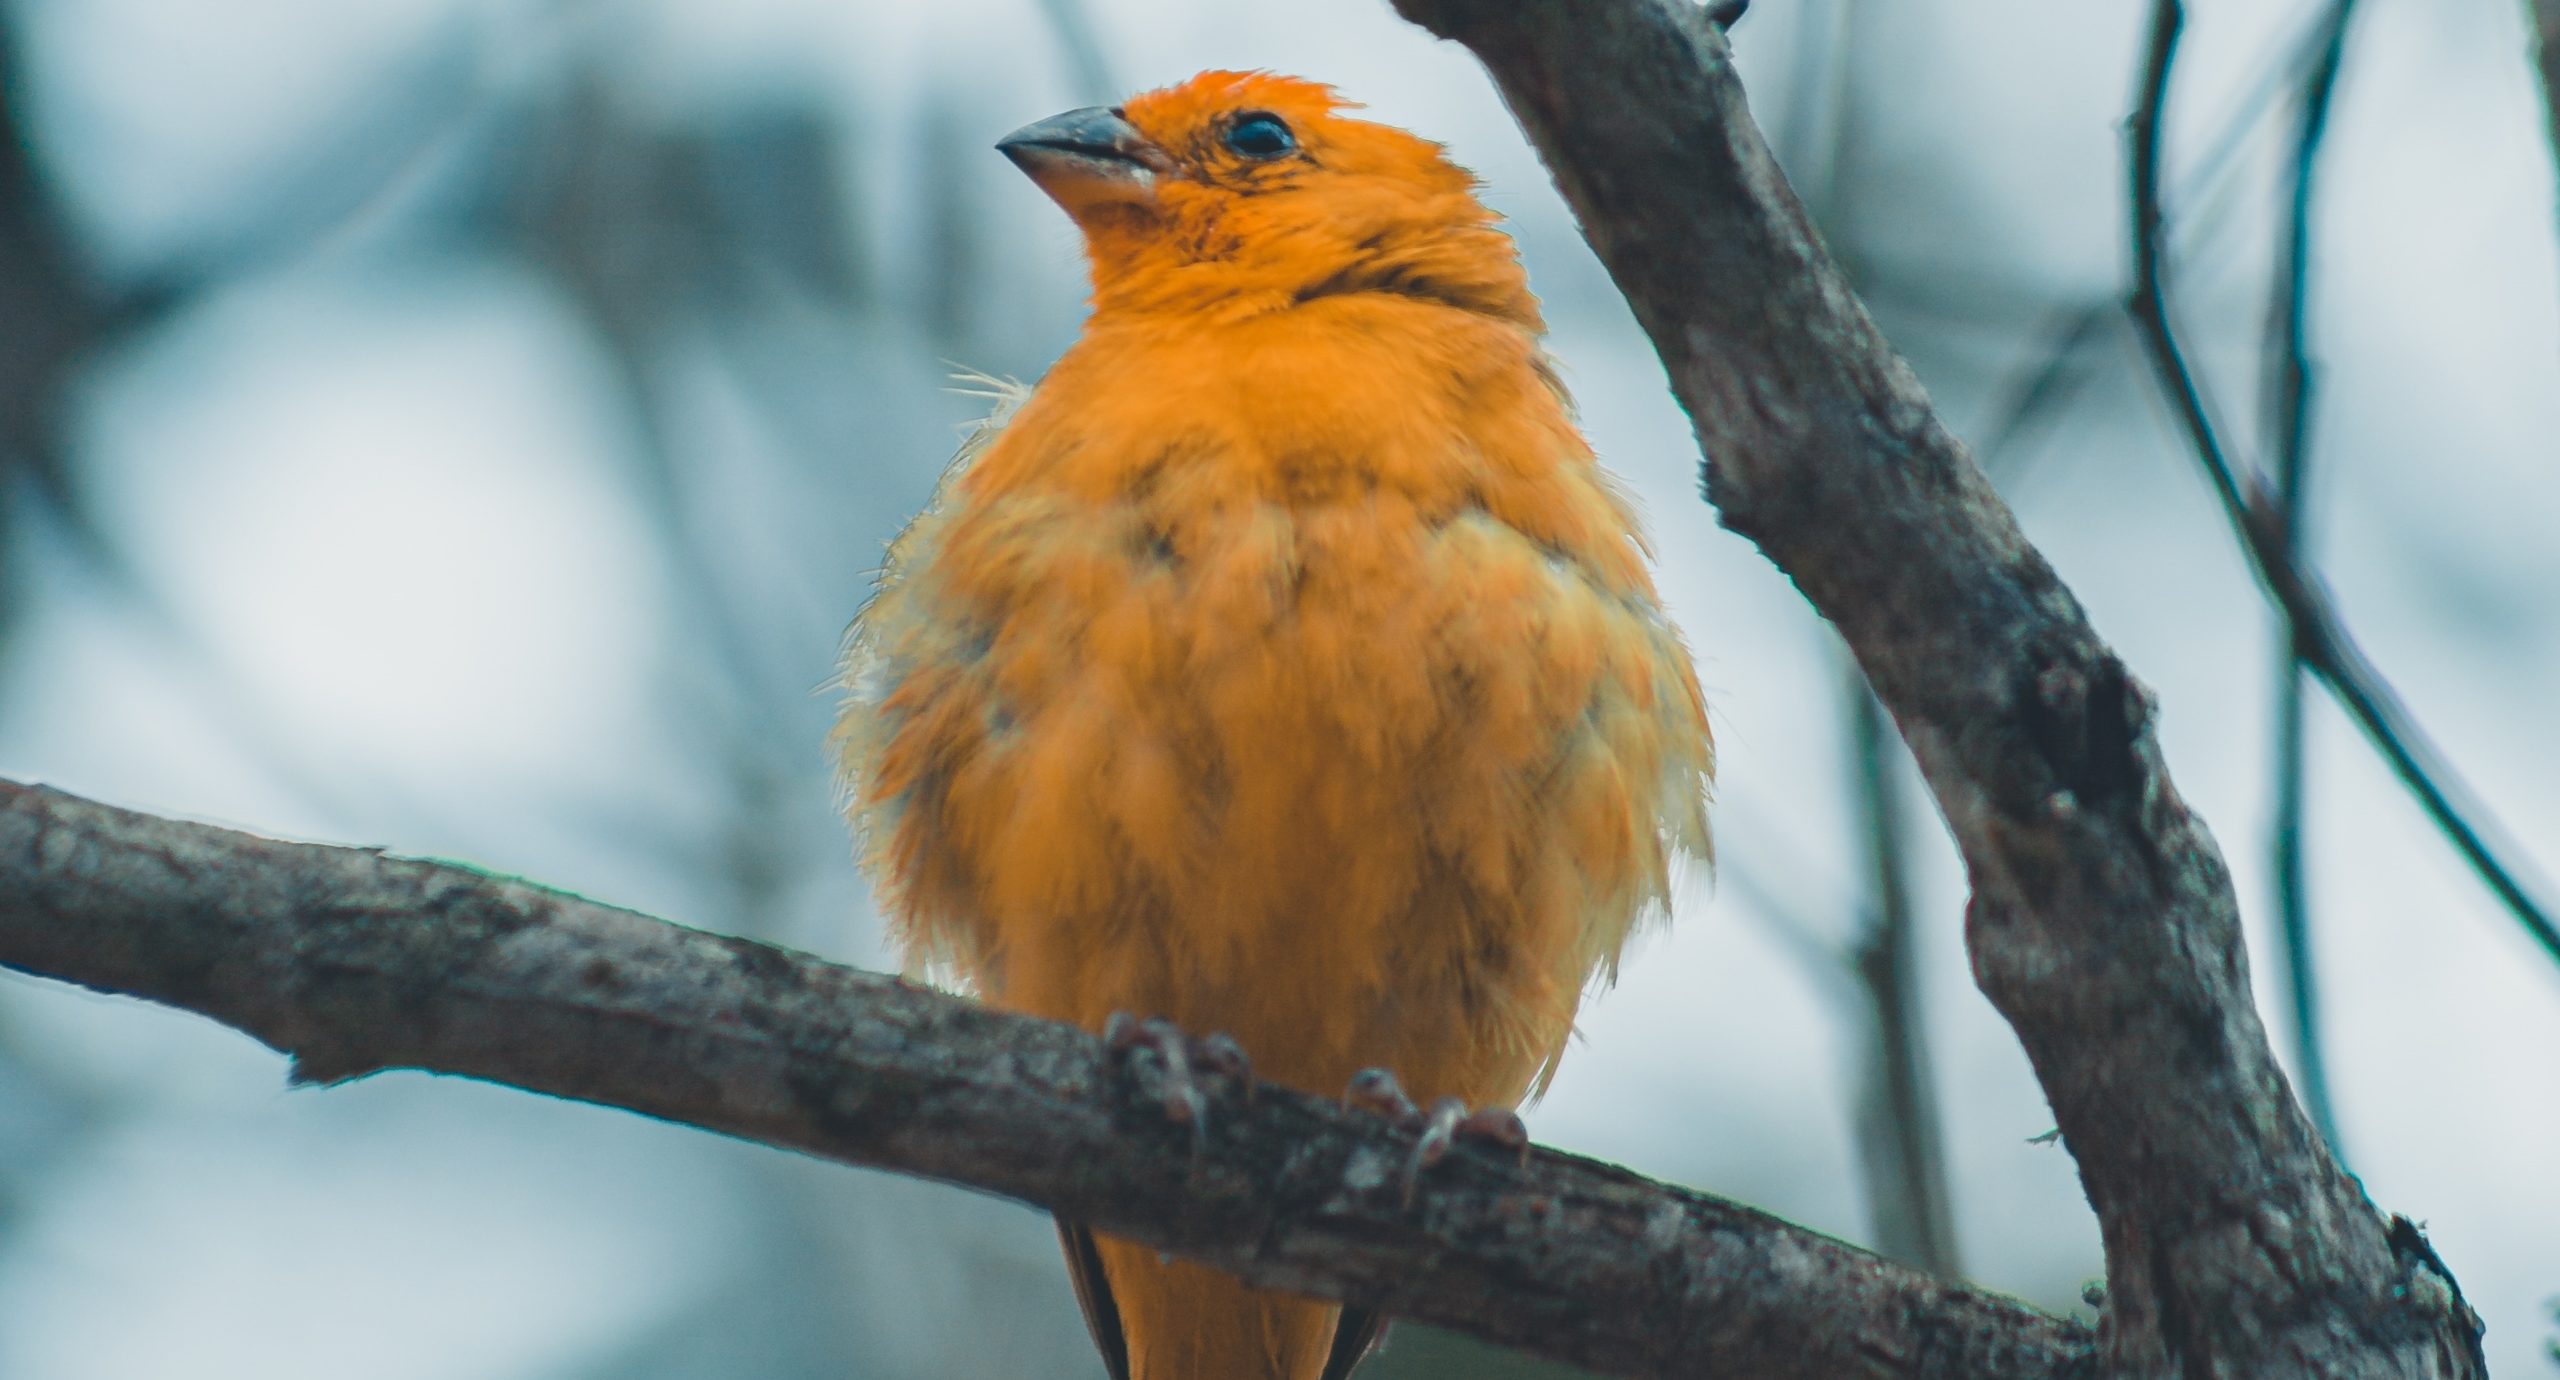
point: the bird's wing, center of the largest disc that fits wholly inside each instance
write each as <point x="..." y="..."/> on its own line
<point x="1093" y="1295"/>
<point x="870" y="667"/>
<point x="1354" y="1337"/>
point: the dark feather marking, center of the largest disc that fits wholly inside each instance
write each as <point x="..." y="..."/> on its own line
<point x="1354" y="1337"/>
<point x="1093" y="1295"/>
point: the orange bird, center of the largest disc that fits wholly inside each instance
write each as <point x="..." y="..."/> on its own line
<point x="1283" y="664"/>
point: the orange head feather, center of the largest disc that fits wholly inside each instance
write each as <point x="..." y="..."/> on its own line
<point x="1245" y="191"/>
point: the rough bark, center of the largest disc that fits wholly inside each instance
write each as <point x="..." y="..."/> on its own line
<point x="2102" y="924"/>
<point x="353" y="962"/>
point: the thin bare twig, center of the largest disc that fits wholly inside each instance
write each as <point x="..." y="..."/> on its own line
<point x="1786" y="924"/>
<point x="2286" y="402"/>
<point x="58" y="318"/>
<point x="353" y="962"/>
<point x="2325" y="646"/>
<point x="1900" y="1147"/>
<point x="2045" y="388"/>
<point x="1871" y="977"/>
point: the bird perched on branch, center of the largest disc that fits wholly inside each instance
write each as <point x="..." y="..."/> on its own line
<point x="1282" y="665"/>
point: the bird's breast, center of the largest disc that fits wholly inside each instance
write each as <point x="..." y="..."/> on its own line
<point x="1321" y="732"/>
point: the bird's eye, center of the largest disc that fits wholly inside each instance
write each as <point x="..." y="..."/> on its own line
<point x="1257" y="134"/>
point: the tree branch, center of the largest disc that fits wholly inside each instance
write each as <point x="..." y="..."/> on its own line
<point x="2320" y="637"/>
<point x="2102" y="924"/>
<point x="353" y="962"/>
<point x="2286" y="408"/>
<point x="2033" y="402"/>
<point x="1901" y="1150"/>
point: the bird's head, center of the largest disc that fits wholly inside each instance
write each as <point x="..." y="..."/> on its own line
<point x="1247" y="192"/>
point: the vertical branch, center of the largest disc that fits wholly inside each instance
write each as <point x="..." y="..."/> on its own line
<point x="630" y="231"/>
<point x="2151" y="269"/>
<point x="2286" y="402"/>
<point x="1900" y="1150"/>
<point x="2544" y="17"/>
<point x="2040" y="393"/>
<point x="52" y="319"/>
<point x="58" y="318"/>
<point x="2320" y="637"/>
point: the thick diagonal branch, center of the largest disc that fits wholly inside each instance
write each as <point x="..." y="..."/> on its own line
<point x="352" y="962"/>
<point x="2102" y="924"/>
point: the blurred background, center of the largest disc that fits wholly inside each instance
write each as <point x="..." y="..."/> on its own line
<point x="466" y="426"/>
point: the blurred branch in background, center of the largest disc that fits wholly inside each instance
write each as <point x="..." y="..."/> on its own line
<point x="1785" y="922"/>
<point x="59" y="319"/>
<point x="55" y="316"/>
<point x="2042" y="392"/>
<point x="2319" y="638"/>
<point x="1899" y="1137"/>
<point x="1899" y="1134"/>
<point x="1874" y="980"/>
<point x="2543" y="18"/>
<point x="622" y="217"/>
<point x="2285" y="404"/>
<point x="61" y="315"/>
<point x="353" y="962"/>
<point x="1900" y="1148"/>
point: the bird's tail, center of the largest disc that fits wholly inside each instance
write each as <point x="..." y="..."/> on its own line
<point x="1160" y="1319"/>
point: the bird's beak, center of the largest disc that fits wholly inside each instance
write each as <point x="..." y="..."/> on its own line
<point x="1088" y="158"/>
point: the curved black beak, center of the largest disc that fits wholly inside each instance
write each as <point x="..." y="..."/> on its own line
<point x="1087" y="158"/>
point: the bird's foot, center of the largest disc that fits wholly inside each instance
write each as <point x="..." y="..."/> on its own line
<point x="1179" y="1093"/>
<point x="1447" y="1123"/>
<point x="1178" y="1088"/>
<point x="1376" y="1091"/>
<point x="1499" y="1128"/>
<point x="1221" y="1055"/>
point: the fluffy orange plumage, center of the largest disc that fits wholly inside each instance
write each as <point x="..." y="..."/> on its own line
<point x="1284" y="664"/>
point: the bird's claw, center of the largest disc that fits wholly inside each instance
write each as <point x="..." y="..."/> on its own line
<point x="1439" y="1132"/>
<point x="1183" y="1102"/>
<point x="1449" y="1122"/>
<point x="1223" y="1056"/>
<point x="1499" y="1127"/>
<point x="1120" y="1032"/>
<point x="1376" y="1091"/>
